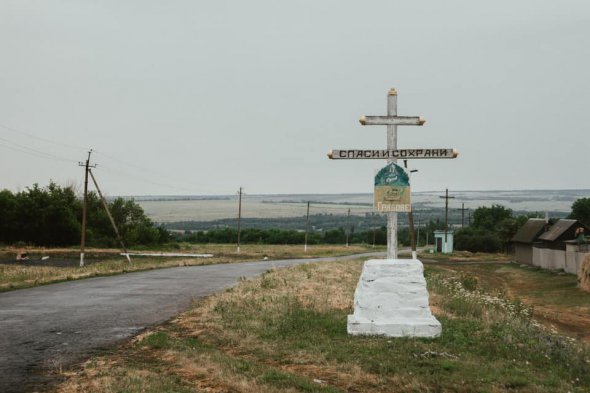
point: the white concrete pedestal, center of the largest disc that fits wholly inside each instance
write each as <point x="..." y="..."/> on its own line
<point x="391" y="299"/>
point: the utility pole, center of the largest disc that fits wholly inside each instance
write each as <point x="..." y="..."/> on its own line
<point x="447" y="197"/>
<point x="412" y="238"/>
<point x="239" y="216"/>
<point x="411" y="215"/>
<point x="463" y="209"/>
<point x="106" y="208"/>
<point x="374" y="233"/>
<point x="306" y="227"/>
<point x="418" y="230"/>
<point x="84" y="206"/>
<point x="347" y="227"/>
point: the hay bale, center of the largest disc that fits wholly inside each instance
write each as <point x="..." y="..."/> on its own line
<point x="584" y="274"/>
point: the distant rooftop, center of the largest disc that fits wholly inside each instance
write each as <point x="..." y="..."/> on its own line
<point x="557" y="229"/>
<point x="529" y="232"/>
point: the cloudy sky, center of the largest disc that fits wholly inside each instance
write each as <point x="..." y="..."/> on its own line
<point x="201" y="97"/>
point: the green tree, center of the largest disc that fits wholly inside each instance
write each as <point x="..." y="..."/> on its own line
<point x="51" y="216"/>
<point x="581" y="210"/>
<point x="490" y="218"/>
<point x="477" y="240"/>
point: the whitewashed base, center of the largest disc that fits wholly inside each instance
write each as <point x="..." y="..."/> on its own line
<point x="391" y="299"/>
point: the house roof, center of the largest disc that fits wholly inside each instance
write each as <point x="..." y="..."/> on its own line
<point x="557" y="229"/>
<point x="529" y="232"/>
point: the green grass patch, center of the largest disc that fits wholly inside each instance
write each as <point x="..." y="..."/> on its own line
<point x="286" y="331"/>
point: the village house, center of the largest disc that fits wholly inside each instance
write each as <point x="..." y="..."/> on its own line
<point x="553" y="248"/>
<point x="525" y="237"/>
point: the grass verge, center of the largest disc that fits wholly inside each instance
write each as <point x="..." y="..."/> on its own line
<point x="286" y="332"/>
<point x="103" y="262"/>
<point x="465" y="256"/>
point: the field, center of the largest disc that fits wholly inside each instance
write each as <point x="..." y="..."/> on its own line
<point x="286" y="332"/>
<point x="63" y="263"/>
<point x="187" y="208"/>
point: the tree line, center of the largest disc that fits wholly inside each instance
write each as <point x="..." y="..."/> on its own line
<point x="51" y="216"/>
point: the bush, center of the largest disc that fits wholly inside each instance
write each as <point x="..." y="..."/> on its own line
<point x="477" y="240"/>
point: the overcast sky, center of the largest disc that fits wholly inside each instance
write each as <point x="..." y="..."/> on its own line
<point x="201" y="97"/>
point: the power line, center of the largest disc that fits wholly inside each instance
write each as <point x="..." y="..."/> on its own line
<point x="37" y="153"/>
<point x="17" y="131"/>
<point x="144" y="180"/>
<point x="152" y="172"/>
<point x="42" y="154"/>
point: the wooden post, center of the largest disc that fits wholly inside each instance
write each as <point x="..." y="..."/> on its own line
<point x="239" y="217"/>
<point x="106" y="208"/>
<point x="463" y="209"/>
<point x="347" y="229"/>
<point x="84" y="208"/>
<point x="411" y="214"/>
<point x="412" y="238"/>
<point x="306" y="227"/>
<point x="392" y="145"/>
<point x="447" y="197"/>
<point x="418" y="230"/>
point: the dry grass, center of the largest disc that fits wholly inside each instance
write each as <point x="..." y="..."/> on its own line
<point x="555" y="297"/>
<point x="584" y="274"/>
<point x="27" y="274"/>
<point x="465" y="256"/>
<point x="286" y="332"/>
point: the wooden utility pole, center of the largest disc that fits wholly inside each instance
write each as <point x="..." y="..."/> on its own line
<point x="106" y="208"/>
<point x="412" y="238"/>
<point x="374" y="233"/>
<point x="411" y="215"/>
<point x="306" y="227"/>
<point x="84" y="205"/>
<point x="239" y="216"/>
<point x="447" y="197"/>
<point x="418" y="234"/>
<point x="347" y="226"/>
<point x="463" y="209"/>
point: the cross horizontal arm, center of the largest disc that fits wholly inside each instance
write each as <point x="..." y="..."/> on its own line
<point x="352" y="154"/>
<point x="392" y="120"/>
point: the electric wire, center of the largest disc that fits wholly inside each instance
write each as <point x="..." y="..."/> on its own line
<point x="18" y="147"/>
<point x="34" y="152"/>
<point x="154" y="173"/>
<point x="17" y="131"/>
<point x="142" y="179"/>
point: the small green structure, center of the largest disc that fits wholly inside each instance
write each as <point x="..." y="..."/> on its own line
<point x="443" y="241"/>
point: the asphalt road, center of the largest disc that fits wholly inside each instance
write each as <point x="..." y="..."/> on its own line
<point x="53" y="326"/>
